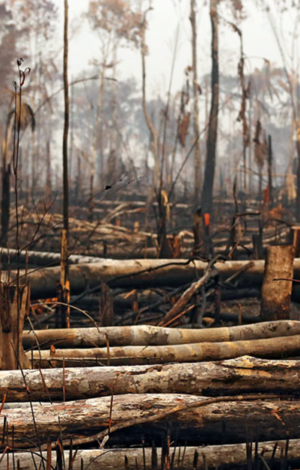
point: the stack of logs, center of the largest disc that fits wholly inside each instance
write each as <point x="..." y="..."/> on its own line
<point x="206" y="387"/>
<point x="149" y="396"/>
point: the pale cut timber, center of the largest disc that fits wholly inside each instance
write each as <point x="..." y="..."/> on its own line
<point x="141" y="273"/>
<point x="138" y="273"/>
<point x="205" y="420"/>
<point x="224" y="457"/>
<point x="276" y="295"/>
<point x="231" y="377"/>
<point x="194" y="352"/>
<point x="144" y="335"/>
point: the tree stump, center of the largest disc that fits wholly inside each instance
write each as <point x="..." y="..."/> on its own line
<point x="14" y="306"/>
<point x="276" y="295"/>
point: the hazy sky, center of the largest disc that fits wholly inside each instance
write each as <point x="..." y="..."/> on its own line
<point x="167" y="16"/>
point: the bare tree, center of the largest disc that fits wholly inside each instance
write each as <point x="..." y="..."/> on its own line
<point x="65" y="233"/>
<point x="197" y="90"/>
<point x="211" y="143"/>
<point x="148" y="120"/>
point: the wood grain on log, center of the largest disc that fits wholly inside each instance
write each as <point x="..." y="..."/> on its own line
<point x="276" y="295"/>
<point x="200" y="420"/>
<point x="151" y="335"/>
<point x="134" y="355"/>
<point x="231" y="377"/>
<point x="138" y="273"/>
<point x="141" y="273"/>
<point x="225" y="457"/>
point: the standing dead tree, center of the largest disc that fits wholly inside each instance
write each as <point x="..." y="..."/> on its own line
<point x="211" y="143"/>
<point x="65" y="234"/>
<point x="149" y="122"/>
<point x="196" y="90"/>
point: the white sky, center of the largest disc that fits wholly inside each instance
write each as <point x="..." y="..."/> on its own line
<point x="259" y="42"/>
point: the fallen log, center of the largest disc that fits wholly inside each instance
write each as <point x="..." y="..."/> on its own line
<point x="153" y="335"/>
<point x="194" y="352"/>
<point x="224" y="457"/>
<point x="138" y="273"/>
<point x="42" y="258"/>
<point x="231" y="377"/>
<point x="142" y="273"/>
<point x="200" y="420"/>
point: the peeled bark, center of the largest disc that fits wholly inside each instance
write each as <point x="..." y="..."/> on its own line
<point x="201" y="420"/>
<point x="140" y="335"/>
<point x="224" y="457"/>
<point x="134" y="355"/>
<point x="232" y="377"/>
<point x="276" y="295"/>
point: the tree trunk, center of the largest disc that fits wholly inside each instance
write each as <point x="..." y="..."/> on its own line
<point x="201" y="420"/>
<point x="5" y="200"/>
<point x="298" y="178"/>
<point x="232" y="377"/>
<point x="14" y="307"/>
<point x="270" y="170"/>
<point x="66" y="119"/>
<point x="146" y="335"/>
<point x="48" y="188"/>
<point x="140" y="273"/>
<point x="150" y="125"/>
<point x="276" y="295"/>
<point x="211" y="143"/>
<point x="197" y="152"/>
<point x="95" y="138"/>
<point x="193" y="352"/>
<point x="65" y="235"/>
<point x="143" y="273"/>
<point x="223" y="457"/>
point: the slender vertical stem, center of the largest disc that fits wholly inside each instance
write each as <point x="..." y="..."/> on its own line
<point x="211" y="143"/>
<point x="197" y="153"/>
<point x="66" y="126"/>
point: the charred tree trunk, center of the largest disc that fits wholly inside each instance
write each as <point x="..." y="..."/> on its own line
<point x="14" y="307"/>
<point x="298" y="179"/>
<point x="149" y="122"/>
<point x="48" y="189"/>
<point x="66" y="122"/>
<point x="65" y="234"/>
<point x="211" y="143"/>
<point x="270" y="169"/>
<point x="6" y="170"/>
<point x="276" y="295"/>
<point x="5" y="204"/>
<point x="197" y="153"/>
